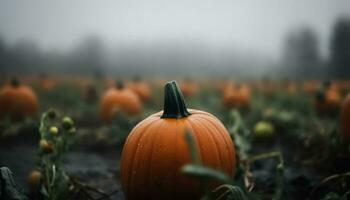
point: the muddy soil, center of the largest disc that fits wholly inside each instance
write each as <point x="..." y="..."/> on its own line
<point x="98" y="169"/>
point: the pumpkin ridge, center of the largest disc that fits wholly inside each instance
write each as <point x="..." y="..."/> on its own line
<point x="149" y="174"/>
<point x="207" y="129"/>
<point x="199" y="125"/>
<point x="223" y="135"/>
<point x="176" y="161"/>
<point x="224" y="139"/>
<point x="148" y="120"/>
<point x="196" y="139"/>
<point x="220" y="140"/>
<point x="139" y="125"/>
<point x="137" y="152"/>
<point x="202" y="112"/>
<point x="134" y="155"/>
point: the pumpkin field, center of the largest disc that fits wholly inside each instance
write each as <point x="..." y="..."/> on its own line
<point x="84" y="137"/>
<point x="175" y="100"/>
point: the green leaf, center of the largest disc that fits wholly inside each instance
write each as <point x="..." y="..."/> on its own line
<point x="206" y="173"/>
<point x="331" y="196"/>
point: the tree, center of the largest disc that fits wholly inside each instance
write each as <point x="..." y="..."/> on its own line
<point x="340" y="48"/>
<point x="89" y="56"/>
<point x="26" y="57"/>
<point x="3" y="55"/>
<point x="301" y="52"/>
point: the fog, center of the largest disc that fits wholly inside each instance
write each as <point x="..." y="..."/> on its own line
<point x="214" y="30"/>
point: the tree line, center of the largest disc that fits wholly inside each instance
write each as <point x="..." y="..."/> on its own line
<point x="300" y="57"/>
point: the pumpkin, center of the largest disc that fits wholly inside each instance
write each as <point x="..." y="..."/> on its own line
<point x="310" y="87"/>
<point x="109" y="83"/>
<point x="141" y="89"/>
<point x="119" y="99"/>
<point x="344" y="86"/>
<point x="344" y="126"/>
<point x="237" y="97"/>
<point x="267" y="88"/>
<point x="225" y="86"/>
<point x="17" y="101"/>
<point x="290" y="88"/>
<point x="46" y="83"/>
<point x="156" y="149"/>
<point x="327" y="102"/>
<point x="78" y="82"/>
<point x="189" y="88"/>
<point x="34" y="179"/>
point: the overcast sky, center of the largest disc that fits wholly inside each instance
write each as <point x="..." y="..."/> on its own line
<point x="258" y="25"/>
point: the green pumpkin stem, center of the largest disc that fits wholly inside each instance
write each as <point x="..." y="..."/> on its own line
<point x="119" y="84"/>
<point x="15" y="82"/>
<point x="174" y="103"/>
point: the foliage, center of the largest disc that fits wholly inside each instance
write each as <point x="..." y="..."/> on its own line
<point x="55" y="139"/>
<point x="205" y="175"/>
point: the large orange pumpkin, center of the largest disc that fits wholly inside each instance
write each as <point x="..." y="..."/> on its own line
<point x="344" y="126"/>
<point x="119" y="99"/>
<point x="17" y="101"/>
<point x="155" y="151"/>
<point x="141" y="89"/>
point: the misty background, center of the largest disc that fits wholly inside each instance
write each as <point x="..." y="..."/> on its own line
<point x="184" y="37"/>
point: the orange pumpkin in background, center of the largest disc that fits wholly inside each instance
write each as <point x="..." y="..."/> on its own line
<point x="109" y="83"/>
<point x="290" y="88"/>
<point x="17" y="101"/>
<point x="189" y="88"/>
<point x="119" y="99"/>
<point x="141" y="88"/>
<point x="237" y="97"/>
<point x="310" y="87"/>
<point x="327" y="102"/>
<point x="344" y="126"/>
<point x="79" y="82"/>
<point x="156" y="149"/>
<point x="267" y="88"/>
<point x="343" y="86"/>
<point x="223" y="87"/>
<point x="46" y="83"/>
